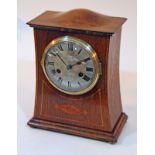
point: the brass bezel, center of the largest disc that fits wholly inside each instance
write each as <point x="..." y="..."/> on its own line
<point x="88" y="48"/>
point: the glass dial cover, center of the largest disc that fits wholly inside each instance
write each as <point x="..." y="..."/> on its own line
<point x="71" y="65"/>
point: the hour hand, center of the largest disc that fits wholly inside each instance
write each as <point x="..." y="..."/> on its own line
<point x="79" y="62"/>
<point x="84" y="60"/>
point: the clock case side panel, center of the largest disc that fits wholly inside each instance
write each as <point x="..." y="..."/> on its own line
<point x="113" y="80"/>
<point x="38" y="90"/>
<point x="36" y="77"/>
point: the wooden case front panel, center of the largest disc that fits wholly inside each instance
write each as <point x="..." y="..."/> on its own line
<point x="89" y="110"/>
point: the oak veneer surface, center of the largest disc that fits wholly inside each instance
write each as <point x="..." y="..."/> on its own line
<point x="78" y="19"/>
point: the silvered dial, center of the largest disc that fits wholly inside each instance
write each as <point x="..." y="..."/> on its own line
<point x="71" y="65"/>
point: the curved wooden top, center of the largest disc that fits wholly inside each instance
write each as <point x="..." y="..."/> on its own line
<point x="81" y="20"/>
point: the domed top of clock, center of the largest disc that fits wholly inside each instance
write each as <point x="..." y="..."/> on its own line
<point x="78" y="20"/>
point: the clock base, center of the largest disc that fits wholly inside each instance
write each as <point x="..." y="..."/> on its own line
<point x="79" y="131"/>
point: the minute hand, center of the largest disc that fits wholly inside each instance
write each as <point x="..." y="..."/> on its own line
<point x="61" y="59"/>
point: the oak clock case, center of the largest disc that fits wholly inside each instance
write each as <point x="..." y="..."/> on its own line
<point x="77" y="74"/>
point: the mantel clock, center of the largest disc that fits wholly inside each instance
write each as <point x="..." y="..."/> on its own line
<point x="77" y="74"/>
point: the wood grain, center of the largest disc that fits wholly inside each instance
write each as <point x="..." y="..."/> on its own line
<point x="94" y="101"/>
<point x="111" y="137"/>
<point x="84" y="20"/>
<point x="114" y="96"/>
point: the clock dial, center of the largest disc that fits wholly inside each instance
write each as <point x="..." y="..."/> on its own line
<point x="71" y="65"/>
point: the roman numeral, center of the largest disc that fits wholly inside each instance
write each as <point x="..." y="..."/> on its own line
<point x="60" y="47"/>
<point x="50" y="63"/>
<point x="53" y="71"/>
<point x="52" y="54"/>
<point x="89" y="69"/>
<point x="79" y="83"/>
<point x="87" y="59"/>
<point x="70" y="47"/>
<point x="69" y="84"/>
<point x="80" y="51"/>
<point x="86" y="78"/>
<point x="60" y="80"/>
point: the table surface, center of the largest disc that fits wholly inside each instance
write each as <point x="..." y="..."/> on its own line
<point x="40" y="142"/>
